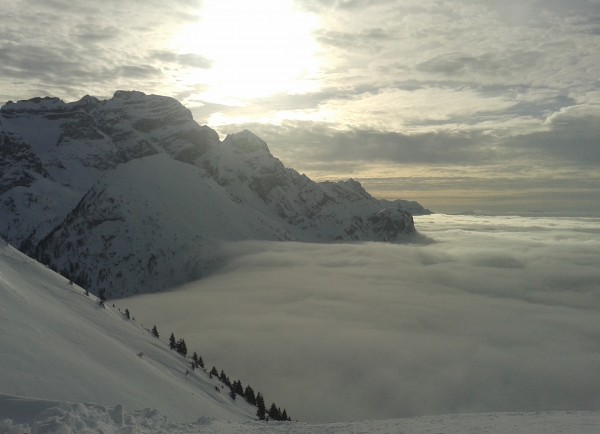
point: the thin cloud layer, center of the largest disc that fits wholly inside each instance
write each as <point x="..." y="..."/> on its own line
<point x="496" y="314"/>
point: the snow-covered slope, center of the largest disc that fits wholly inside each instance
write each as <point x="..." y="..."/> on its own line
<point x="59" y="344"/>
<point x="19" y="415"/>
<point x="131" y="195"/>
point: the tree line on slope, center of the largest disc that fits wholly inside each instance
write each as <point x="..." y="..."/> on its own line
<point x="196" y="362"/>
<point x="235" y="388"/>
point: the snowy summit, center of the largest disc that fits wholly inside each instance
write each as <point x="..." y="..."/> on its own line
<point x="131" y="195"/>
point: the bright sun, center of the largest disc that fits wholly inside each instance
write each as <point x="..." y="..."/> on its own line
<point x="256" y="49"/>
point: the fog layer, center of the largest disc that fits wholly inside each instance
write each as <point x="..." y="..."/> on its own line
<point x="495" y="314"/>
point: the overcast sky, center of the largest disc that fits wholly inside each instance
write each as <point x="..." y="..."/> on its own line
<point x="462" y="105"/>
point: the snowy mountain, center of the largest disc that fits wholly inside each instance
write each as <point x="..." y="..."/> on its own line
<point x="130" y="195"/>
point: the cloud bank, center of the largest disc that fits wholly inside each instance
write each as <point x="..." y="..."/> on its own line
<point x="496" y="314"/>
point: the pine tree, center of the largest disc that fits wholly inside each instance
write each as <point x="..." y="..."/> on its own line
<point x="223" y="377"/>
<point x="249" y="395"/>
<point x="127" y="314"/>
<point x="172" y="342"/>
<point x="284" y="415"/>
<point x="155" y="332"/>
<point x="274" y="412"/>
<point x="214" y="372"/>
<point x="237" y="388"/>
<point x="200" y="362"/>
<point x="261" y="411"/>
<point x="195" y="359"/>
<point x="181" y="347"/>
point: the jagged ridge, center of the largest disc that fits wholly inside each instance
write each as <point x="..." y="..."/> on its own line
<point x="130" y="194"/>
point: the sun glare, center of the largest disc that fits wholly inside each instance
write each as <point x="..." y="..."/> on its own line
<point x="256" y="49"/>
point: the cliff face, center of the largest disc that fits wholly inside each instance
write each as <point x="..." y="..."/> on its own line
<point x="130" y="194"/>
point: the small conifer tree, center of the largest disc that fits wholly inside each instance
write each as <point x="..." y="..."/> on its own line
<point x="172" y="342"/>
<point x="237" y="388"/>
<point x="249" y="395"/>
<point x="155" y="331"/>
<point x="261" y="411"/>
<point x="274" y="412"/>
<point x="181" y="347"/>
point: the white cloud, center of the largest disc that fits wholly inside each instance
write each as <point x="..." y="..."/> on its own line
<point x="498" y="314"/>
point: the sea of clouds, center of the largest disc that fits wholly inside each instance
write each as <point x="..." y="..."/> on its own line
<point x="484" y="314"/>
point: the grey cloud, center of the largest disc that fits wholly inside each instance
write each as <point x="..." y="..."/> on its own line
<point x="504" y="65"/>
<point x="30" y="61"/>
<point x="138" y="71"/>
<point x="570" y="134"/>
<point x="433" y="148"/>
<point x="78" y="47"/>
<point x="188" y="59"/>
<point x="60" y="66"/>
<point x="319" y="5"/>
<point x="318" y="142"/>
<point x="366" y="39"/>
<point x="498" y="314"/>
<point x="573" y="137"/>
<point x="101" y="35"/>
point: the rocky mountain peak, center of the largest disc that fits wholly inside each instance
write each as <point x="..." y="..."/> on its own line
<point x="129" y="94"/>
<point x="131" y="195"/>
<point x="37" y="104"/>
<point x="246" y="142"/>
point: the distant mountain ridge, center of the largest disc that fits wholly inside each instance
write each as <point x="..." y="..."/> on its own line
<point x="131" y="195"/>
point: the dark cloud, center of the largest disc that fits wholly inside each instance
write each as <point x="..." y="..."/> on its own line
<point x="499" y="65"/>
<point x="138" y="71"/>
<point x="570" y="134"/>
<point x="319" y="5"/>
<point x="188" y="59"/>
<point x="95" y="35"/>
<point x="366" y="39"/>
<point x="319" y="142"/>
<point x="573" y="137"/>
<point x="498" y="314"/>
<point x="434" y="148"/>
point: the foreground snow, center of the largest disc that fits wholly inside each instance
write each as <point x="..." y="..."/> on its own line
<point x="57" y="343"/>
<point x="21" y="415"/>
